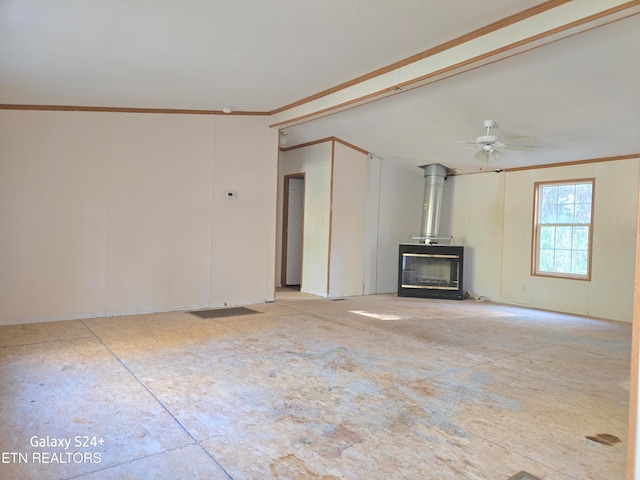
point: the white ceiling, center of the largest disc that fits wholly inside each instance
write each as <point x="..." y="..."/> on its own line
<point x="579" y="96"/>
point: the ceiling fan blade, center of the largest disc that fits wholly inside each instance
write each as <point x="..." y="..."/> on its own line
<point x="518" y="139"/>
<point x="470" y="143"/>
<point x="527" y="148"/>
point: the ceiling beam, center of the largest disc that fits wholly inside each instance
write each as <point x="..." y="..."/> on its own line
<point x="549" y="22"/>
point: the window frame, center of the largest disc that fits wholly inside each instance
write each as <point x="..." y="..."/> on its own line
<point x="535" y="250"/>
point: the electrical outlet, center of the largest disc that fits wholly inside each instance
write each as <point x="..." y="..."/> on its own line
<point x="231" y="194"/>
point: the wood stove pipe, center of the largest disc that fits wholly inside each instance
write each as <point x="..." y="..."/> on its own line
<point x="434" y="176"/>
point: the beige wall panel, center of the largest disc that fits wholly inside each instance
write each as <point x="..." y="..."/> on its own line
<point x="242" y="255"/>
<point x="473" y="206"/>
<point x="160" y="215"/>
<point x="113" y="213"/>
<point x="518" y="211"/>
<point x="398" y="203"/>
<point x="53" y="208"/>
<point x="346" y="274"/>
<point x="614" y="239"/>
<point x="518" y="285"/>
<point x="609" y="293"/>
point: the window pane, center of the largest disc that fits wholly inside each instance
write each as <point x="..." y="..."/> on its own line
<point x="563" y="237"/>
<point x="583" y="193"/>
<point x="548" y="208"/>
<point x="550" y="194"/>
<point x="580" y="239"/>
<point x="563" y="261"/>
<point x="566" y="213"/>
<point x="566" y="194"/>
<point x="583" y="213"/>
<point x="546" y="260"/>
<point x="549" y="213"/>
<point x="579" y="262"/>
<point x="547" y="237"/>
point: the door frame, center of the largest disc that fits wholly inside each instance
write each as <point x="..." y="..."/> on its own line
<point x="285" y="222"/>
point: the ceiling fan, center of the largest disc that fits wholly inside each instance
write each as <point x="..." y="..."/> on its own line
<point x="490" y="146"/>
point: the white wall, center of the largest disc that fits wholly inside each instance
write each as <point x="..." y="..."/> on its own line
<point x="159" y="212"/>
<point x="346" y="263"/>
<point x="315" y="161"/>
<point x="393" y="215"/>
<point x="54" y="175"/>
<point x="472" y="212"/>
<point x="243" y="229"/>
<point x="492" y="216"/>
<point x="113" y="213"/>
<point x="334" y="216"/>
<point x="609" y="294"/>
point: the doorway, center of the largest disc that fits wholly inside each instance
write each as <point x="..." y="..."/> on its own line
<point x="292" y="229"/>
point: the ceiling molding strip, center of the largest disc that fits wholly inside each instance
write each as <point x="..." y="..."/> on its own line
<point x="351" y="145"/>
<point x="633" y="156"/>
<point x="322" y="140"/>
<point x="74" y="108"/>
<point x="511" y="36"/>
<point x="307" y="144"/>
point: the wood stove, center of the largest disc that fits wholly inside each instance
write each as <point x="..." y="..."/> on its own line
<point x="427" y="268"/>
<point x="430" y="271"/>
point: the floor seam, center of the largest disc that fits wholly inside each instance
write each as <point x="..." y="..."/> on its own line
<point x="162" y="405"/>
<point x="46" y="341"/>
<point x="133" y="460"/>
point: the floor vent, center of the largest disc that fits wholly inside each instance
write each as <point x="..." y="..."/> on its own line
<point x="223" y="312"/>
<point x="523" y="476"/>
<point x="337" y="299"/>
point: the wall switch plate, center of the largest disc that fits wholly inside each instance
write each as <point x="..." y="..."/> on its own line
<point x="231" y="194"/>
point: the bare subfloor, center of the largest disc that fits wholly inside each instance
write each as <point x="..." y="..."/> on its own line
<point x="375" y="387"/>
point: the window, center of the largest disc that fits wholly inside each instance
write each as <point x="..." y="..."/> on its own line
<point x="563" y="229"/>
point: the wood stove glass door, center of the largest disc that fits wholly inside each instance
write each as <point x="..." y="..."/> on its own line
<point x="439" y="272"/>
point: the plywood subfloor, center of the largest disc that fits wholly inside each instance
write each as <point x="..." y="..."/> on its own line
<point x="375" y="387"/>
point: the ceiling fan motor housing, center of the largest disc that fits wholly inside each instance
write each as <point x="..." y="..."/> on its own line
<point x="487" y="142"/>
<point x="487" y="139"/>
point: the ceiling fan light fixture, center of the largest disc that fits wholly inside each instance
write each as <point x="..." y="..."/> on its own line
<point x="483" y="157"/>
<point x="490" y="146"/>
